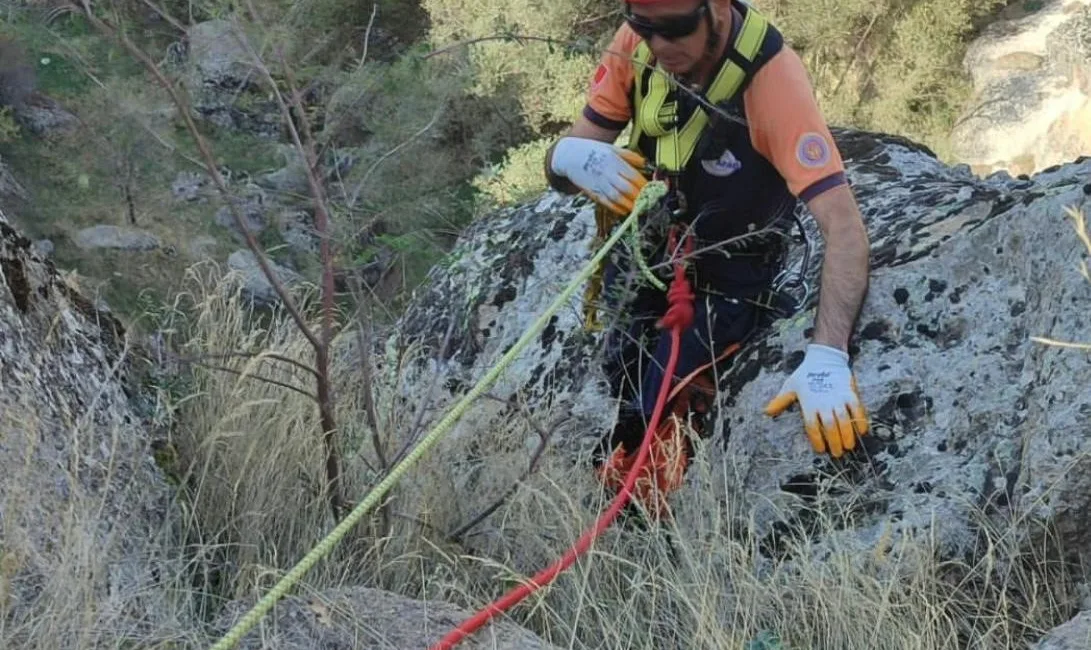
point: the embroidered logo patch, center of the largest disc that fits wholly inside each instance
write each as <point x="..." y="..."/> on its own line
<point x="726" y="165"/>
<point x="600" y="76"/>
<point x="812" y="150"/>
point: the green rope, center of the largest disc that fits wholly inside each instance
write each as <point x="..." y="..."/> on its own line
<point x="651" y="193"/>
<point x="638" y="255"/>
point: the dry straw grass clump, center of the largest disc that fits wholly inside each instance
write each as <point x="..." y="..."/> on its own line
<point x="253" y="466"/>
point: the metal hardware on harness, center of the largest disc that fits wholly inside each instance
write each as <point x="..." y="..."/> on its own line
<point x="793" y="283"/>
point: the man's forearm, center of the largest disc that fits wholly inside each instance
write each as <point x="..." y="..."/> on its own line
<point x="844" y="284"/>
<point x="845" y="266"/>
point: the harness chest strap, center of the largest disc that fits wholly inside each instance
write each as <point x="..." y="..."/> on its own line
<point x="657" y="118"/>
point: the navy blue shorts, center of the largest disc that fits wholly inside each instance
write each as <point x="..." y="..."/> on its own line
<point x="637" y="352"/>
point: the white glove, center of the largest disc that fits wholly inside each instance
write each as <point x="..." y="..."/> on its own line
<point x="605" y="172"/>
<point x="833" y="414"/>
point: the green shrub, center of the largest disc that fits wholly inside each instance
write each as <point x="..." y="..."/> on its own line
<point x="548" y="82"/>
<point x="519" y="177"/>
<point x="9" y="129"/>
<point x="891" y="65"/>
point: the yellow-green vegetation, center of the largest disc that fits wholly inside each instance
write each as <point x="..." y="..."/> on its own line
<point x="893" y="66"/>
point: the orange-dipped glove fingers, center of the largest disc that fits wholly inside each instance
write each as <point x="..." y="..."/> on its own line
<point x="825" y="388"/>
<point x="608" y="174"/>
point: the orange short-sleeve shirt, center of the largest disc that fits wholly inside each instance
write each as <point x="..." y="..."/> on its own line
<point x="785" y="123"/>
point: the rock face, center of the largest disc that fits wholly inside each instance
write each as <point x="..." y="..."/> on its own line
<point x="106" y="236"/>
<point x="358" y="617"/>
<point x="1032" y="83"/>
<point x="1073" y="635"/>
<point x="969" y="413"/>
<point x="42" y="116"/>
<point x="85" y="509"/>
<point x="255" y="285"/>
<point x="222" y="83"/>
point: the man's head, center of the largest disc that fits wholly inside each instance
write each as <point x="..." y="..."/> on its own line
<point x="680" y="33"/>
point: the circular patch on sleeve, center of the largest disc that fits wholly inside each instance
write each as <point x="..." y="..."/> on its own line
<point x="812" y="150"/>
<point x="600" y="76"/>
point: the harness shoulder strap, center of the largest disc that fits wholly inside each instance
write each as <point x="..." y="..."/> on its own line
<point x="641" y="56"/>
<point x="656" y="117"/>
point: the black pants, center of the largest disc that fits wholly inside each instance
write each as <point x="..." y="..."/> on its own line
<point x="637" y="352"/>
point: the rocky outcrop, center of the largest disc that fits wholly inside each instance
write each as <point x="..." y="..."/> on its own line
<point x="107" y="236"/>
<point x="358" y="617"/>
<point x="1032" y="81"/>
<point x="1073" y="635"/>
<point x="85" y="509"/>
<point x="972" y="415"/>
<point x="255" y="285"/>
<point x="222" y="82"/>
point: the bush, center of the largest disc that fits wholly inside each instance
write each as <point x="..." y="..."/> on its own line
<point x="547" y="82"/>
<point x="519" y="178"/>
<point x="891" y="65"/>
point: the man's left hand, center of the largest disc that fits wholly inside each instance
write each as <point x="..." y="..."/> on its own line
<point x="833" y="414"/>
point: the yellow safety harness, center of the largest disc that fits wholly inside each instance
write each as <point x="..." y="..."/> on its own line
<point x="656" y="117"/>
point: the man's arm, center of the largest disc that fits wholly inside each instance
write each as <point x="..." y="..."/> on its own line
<point x="845" y="266"/>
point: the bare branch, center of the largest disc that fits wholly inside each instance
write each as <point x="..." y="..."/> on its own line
<point x="415" y="428"/>
<point x="367" y="35"/>
<point x="498" y="37"/>
<point x="544" y="438"/>
<point x="855" y="53"/>
<point x="165" y="15"/>
<point x="259" y="377"/>
<point x="360" y="186"/>
<point x="305" y="145"/>
<point x="363" y="337"/>
<point x="210" y="163"/>
<point x="250" y="355"/>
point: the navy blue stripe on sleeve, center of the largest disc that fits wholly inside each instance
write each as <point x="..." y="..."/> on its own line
<point x="598" y="119"/>
<point x="820" y="186"/>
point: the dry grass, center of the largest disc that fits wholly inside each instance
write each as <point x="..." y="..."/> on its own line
<point x="254" y="465"/>
<point x="250" y="457"/>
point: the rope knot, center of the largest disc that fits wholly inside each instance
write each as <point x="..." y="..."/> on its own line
<point x="680" y="304"/>
<point x="680" y="295"/>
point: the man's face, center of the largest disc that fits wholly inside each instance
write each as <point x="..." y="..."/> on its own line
<point x="676" y="32"/>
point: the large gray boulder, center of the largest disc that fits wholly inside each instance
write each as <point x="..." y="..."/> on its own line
<point x="1073" y="635"/>
<point x="255" y="285"/>
<point x="1031" y="74"/>
<point x="971" y="415"/>
<point x="223" y="83"/>
<point x="110" y="236"/>
<point x="85" y="552"/>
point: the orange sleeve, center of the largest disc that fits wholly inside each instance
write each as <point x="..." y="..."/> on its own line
<point x="608" y="92"/>
<point x="787" y="127"/>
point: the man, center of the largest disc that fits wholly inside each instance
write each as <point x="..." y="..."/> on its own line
<point x="724" y="111"/>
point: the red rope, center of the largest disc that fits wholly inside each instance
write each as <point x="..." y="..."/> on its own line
<point x="678" y="317"/>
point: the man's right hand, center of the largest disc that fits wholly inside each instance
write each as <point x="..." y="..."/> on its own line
<point x="609" y="174"/>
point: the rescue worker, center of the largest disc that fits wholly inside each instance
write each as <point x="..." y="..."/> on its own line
<point x="723" y="110"/>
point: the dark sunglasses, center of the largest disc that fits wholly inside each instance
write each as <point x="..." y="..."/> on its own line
<point x="672" y="28"/>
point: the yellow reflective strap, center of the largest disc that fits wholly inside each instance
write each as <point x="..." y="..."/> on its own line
<point x="641" y="56"/>
<point x="675" y="146"/>
<point x="675" y="152"/>
<point x="752" y="34"/>
<point x="658" y="89"/>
